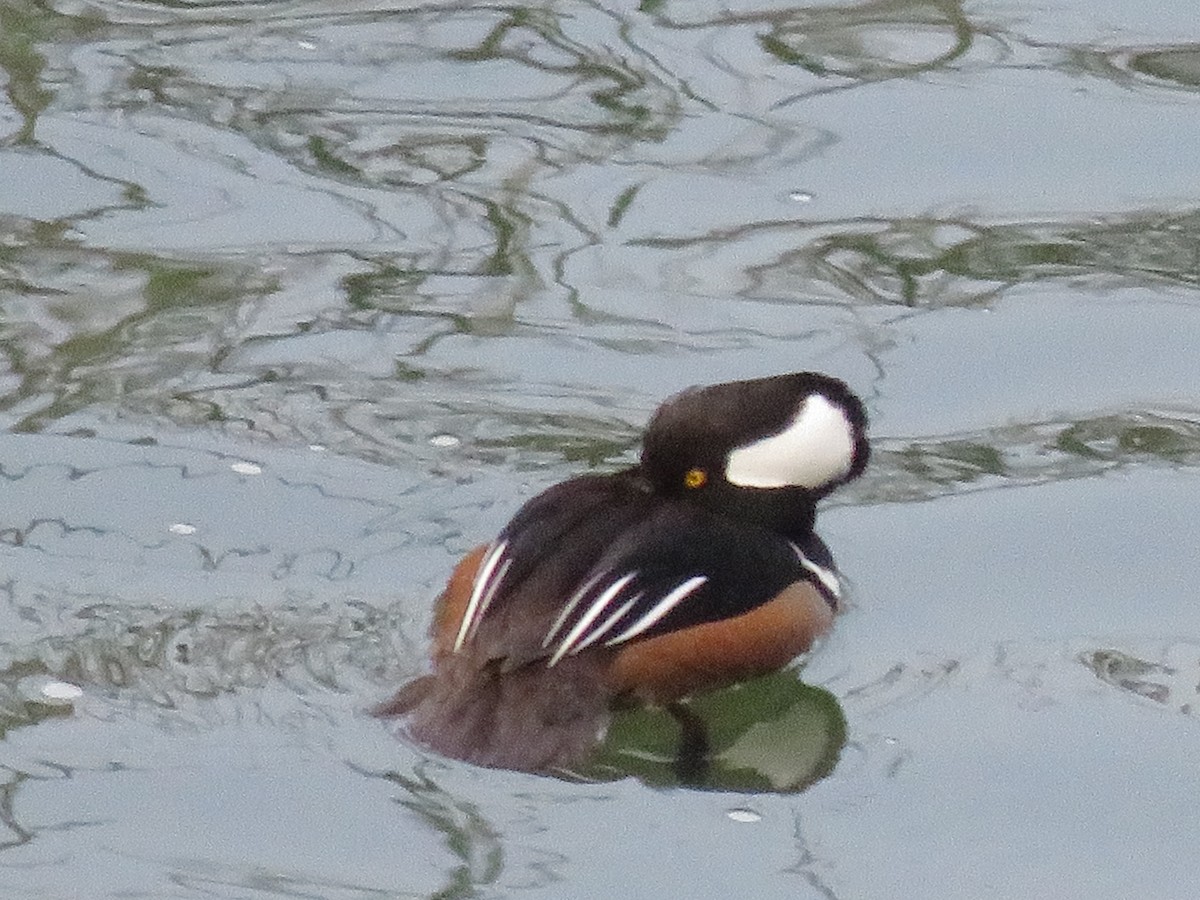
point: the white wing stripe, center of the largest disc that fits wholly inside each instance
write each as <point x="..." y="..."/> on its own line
<point x="660" y="609"/>
<point x="492" y="589"/>
<point x="570" y="605"/>
<point x="478" y="589"/>
<point x="828" y="577"/>
<point x="608" y="623"/>
<point x="609" y="594"/>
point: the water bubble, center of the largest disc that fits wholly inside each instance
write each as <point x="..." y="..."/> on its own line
<point x="246" y="468"/>
<point x="61" y="691"/>
<point x="48" y="689"/>
<point x="181" y="528"/>
<point x="741" y="814"/>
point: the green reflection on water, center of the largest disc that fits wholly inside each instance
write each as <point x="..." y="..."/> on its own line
<point x="327" y="160"/>
<point x="953" y="461"/>
<point x="469" y="836"/>
<point x="1171" y="67"/>
<point x="573" y="441"/>
<point x="490" y="46"/>
<point x="627" y="114"/>
<point x="1178" y="65"/>
<point x="621" y="205"/>
<point x="1034" y="453"/>
<point x="374" y="290"/>
<point x="17" y="710"/>
<point x="770" y="734"/>
<point x="508" y="225"/>
<point x="23" y="26"/>
<point x="935" y="263"/>
<point x="843" y="40"/>
<point x="1171" y="440"/>
<point x="785" y="54"/>
<point x="71" y="349"/>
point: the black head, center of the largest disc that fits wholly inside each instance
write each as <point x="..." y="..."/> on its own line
<point x="765" y="449"/>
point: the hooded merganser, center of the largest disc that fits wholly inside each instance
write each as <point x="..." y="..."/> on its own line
<point x="693" y="570"/>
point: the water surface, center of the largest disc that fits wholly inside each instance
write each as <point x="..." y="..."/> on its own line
<point x="302" y="298"/>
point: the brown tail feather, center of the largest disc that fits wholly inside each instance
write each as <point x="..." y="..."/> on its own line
<point x="530" y="718"/>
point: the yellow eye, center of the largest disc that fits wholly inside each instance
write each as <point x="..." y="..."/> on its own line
<point x="695" y="478"/>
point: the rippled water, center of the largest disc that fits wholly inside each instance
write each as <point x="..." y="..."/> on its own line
<point x="301" y="298"/>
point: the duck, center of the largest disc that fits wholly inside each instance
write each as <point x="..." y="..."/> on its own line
<point x="695" y="569"/>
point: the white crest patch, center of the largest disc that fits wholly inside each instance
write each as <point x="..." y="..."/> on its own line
<point x="815" y="448"/>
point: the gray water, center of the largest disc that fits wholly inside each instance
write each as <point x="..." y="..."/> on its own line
<point x="302" y="299"/>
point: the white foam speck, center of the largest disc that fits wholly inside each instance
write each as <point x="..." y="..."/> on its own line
<point x="741" y="814"/>
<point x="61" y="691"/>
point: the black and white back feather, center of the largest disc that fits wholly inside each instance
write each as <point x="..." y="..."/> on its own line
<point x="681" y="565"/>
